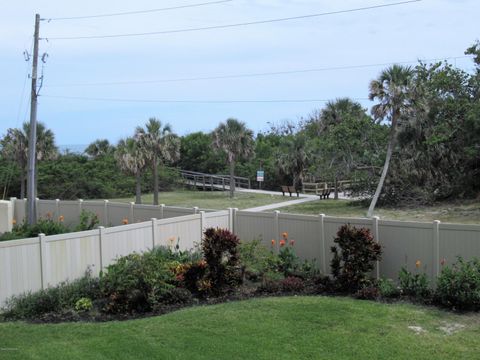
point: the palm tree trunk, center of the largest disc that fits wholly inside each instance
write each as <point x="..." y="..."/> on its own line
<point x="232" y="179"/>
<point x="138" y="189"/>
<point x="155" y="181"/>
<point x="385" y="168"/>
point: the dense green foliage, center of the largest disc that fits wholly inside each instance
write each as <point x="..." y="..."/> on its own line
<point x="458" y="286"/>
<point x="415" y="285"/>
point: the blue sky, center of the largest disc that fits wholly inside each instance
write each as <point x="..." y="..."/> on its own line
<point x="426" y="29"/>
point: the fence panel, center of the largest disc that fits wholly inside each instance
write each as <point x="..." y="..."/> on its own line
<point x="219" y="219"/>
<point x="70" y="210"/>
<point x="47" y="209"/>
<point x="20" y="267"/>
<point x="68" y="256"/>
<point x="19" y="211"/>
<point x="459" y="240"/>
<point x="174" y="211"/>
<point x="305" y="230"/>
<point x="146" y="212"/>
<point x="117" y="212"/>
<point x="185" y="230"/>
<point x="403" y="243"/>
<point x="97" y="208"/>
<point x="124" y="240"/>
<point x="252" y="225"/>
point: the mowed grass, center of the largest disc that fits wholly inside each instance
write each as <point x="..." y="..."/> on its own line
<point x="467" y="212"/>
<point x="209" y="199"/>
<point x="274" y="328"/>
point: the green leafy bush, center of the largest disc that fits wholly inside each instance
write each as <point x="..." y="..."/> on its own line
<point x="458" y="286"/>
<point x="387" y="288"/>
<point x="83" y="304"/>
<point x="292" y="284"/>
<point x="53" y="299"/>
<point x="135" y="283"/>
<point x="88" y="221"/>
<point x="413" y="285"/>
<point x="43" y="226"/>
<point x="256" y="260"/>
<point x="220" y="251"/>
<point x="354" y="258"/>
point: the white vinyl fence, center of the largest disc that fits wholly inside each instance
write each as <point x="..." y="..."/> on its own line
<point x="33" y="264"/>
<point x="108" y="213"/>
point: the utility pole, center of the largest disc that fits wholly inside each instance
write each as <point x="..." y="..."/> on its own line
<point x="32" y="140"/>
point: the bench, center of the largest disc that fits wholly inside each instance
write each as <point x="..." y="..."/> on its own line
<point x="325" y="193"/>
<point x="290" y="189"/>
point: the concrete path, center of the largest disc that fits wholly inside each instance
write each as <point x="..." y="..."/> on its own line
<point x="303" y="198"/>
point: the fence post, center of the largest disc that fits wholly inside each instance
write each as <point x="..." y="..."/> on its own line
<point x="154" y="231"/>
<point x="43" y="261"/>
<point x="57" y="208"/>
<point x="101" y="232"/>
<point x="162" y="207"/>
<point x="377" y="240"/>
<point x="37" y="209"/>
<point x="436" y="249"/>
<point x="276" y="228"/>
<point x="105" y="212"/>
<point x="14" y="216"/>
<point x="230" y="219"/>
<point x="132" y="209"/>
<point x="80" y="203"/>
<point x="202" y="221"/>
<point x="322" y="242"/>
<point x="234" y="220"/>
<point x="195" y="209"/>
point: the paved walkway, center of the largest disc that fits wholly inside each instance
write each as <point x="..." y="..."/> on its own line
<point x="303" y="198"/>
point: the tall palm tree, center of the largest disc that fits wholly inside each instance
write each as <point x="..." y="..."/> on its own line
<point x="393" y="89"/>
<point x="161" y="146"/>
<point x="294" y="158"/>
<point x="236" y="140"/>
<point x="15" y="148"/>
<point x="131" y="158"/>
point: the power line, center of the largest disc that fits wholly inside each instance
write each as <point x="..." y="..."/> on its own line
<point x="192" y="101"/>
<point x="136" y="12"/>
<point x="231" y="25"/>
<point x="258" y="74"/>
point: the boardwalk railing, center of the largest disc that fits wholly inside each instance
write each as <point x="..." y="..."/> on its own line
<point x="212" y="182"/>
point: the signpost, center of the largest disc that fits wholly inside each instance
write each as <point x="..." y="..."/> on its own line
<point x="260" y="177"/>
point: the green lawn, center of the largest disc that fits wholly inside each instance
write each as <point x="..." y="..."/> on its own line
<point x="467" y="212"/>
<point x="209" y="200"/>
<point x="274" y="328"/>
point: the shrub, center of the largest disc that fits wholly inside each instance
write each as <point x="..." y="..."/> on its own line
<point x="413" y="285"/>
<point x="177" y="296"/>
<point x="83" y="304"/>
<point x="135" y="283"/>
<point x="43" y="226"/>
<point x="387" y="288"/>
<point x="54" y="299"/>
<point x="292" y="284"/>
<point x="370" y="292"/>
<point x="354" y="258"/>
<point x="270" y="287"/>
<point x="191" y="276"/>
<point x="220" y="251"/>
<point x="459" y="286"/>
<point x="256" y="260"/>
<point x="88" y="221"/>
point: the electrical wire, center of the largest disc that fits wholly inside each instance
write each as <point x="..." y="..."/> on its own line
<point x="136" y="12"/>
<point x="192" y="101"/>
<point x="251" y="75"/>
<point x="213" y="27"/>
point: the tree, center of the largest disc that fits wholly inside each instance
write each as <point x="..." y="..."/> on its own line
<point x="294" y="157"/>
<point x="161" y="146"/>
<point x="393" y="89"/>
<point x="236" y="140"/>
<point x="99" y="147"/>
<point x="198" y="154"/>
<point x="132" y="159"/>
<point x="15" y="148"/>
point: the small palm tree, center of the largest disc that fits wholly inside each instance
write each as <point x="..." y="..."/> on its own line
<point x="294" y="158"/>
<point x="131" y="159"/>
<point x="236" y="140"/>
<point x="99" y="147"/>
<point x="393" y="90"/>
<point x="161" y="146"/>
<point x="15" y="148"/>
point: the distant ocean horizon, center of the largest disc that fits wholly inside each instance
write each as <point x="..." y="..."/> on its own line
<point x="72" y="148"/>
